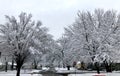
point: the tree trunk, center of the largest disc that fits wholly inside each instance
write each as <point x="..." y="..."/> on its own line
<point x="35" y="66"/>
<point x="6" y="66"/>
<point x="18" y="71"/>
<point x="98" y="71"/>
<point x="108" y="67"/>
<point x="97" y="67"/>
<point x="68" y="67"/>
<point x="63" y="65"/>
<point x="12" y="66"/>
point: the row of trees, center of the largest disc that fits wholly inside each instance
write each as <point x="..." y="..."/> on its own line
<point x="93" y="37"/>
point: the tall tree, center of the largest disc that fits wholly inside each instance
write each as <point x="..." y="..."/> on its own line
<point x="94" y="36"/>
<point x="20" y="36"/>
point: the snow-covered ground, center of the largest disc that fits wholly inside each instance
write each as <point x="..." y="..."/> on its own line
<point x="27" y="72"/>
<point x="93" y="74"/>
<point x="20" y="75"/>
<point x="89" y="74"/>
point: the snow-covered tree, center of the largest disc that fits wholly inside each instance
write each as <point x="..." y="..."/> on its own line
<point x="21" y="36"/>
<point x="65" y="55"/>
<point x="44" y="43"/>
<point x="94" y="37"/>
<point x="53" y="56"/>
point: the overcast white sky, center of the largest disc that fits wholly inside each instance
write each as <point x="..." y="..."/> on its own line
<point x="54" y="14"/>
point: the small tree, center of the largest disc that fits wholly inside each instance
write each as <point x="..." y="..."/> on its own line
<point x="52" y="57"/>
<point x="62" y="48"/>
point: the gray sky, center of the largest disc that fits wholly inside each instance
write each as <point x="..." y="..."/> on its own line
<point x="54" y="14"/>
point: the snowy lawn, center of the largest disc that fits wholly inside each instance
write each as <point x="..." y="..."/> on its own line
<point x="89" y="74"/>
<point x="27" y="73"/>
<point x="20" y="75"/>
<point x="23" y="73"/>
